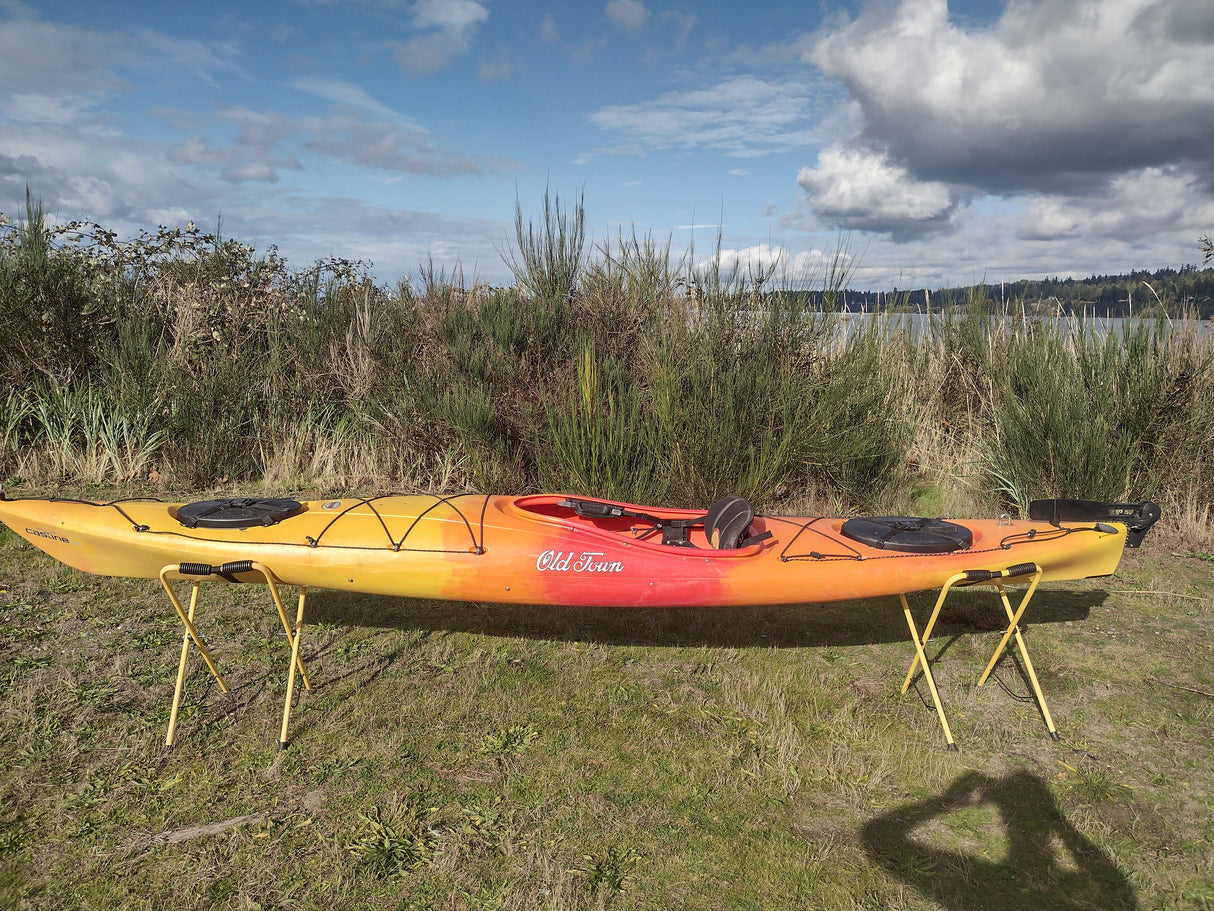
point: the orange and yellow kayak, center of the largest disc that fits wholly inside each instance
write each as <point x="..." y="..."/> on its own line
<point x="561" y="550"/>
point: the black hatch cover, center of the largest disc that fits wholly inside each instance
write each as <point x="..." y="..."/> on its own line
<point x="241" y="512"/>
<point x="909" y="534"/>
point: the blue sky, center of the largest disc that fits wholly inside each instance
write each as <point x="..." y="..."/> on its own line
<point x="948" y="142"/>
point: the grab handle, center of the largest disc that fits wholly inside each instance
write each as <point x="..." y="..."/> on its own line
<point x="986" y="575"/>
<point x="206" y="569"/>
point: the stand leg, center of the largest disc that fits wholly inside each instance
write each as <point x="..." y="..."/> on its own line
<point x="1014" y="629"/>
<point x="921" y="658"/>
<point x="286" y="624"/>
<point x="296" y="635"/>
<point x="927" y="630"/>
<point x="187" y="619"/>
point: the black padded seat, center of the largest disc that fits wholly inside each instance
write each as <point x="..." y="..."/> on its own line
<point x="727" y="521"/>
<point x="909" y="534"/>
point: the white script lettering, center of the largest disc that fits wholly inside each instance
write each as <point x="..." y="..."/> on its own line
<point x="557" y="561"/>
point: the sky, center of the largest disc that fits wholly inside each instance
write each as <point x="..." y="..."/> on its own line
<point x="938" y="144"/>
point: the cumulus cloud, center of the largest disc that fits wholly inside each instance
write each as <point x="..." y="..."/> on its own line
<point x="743" y="117"/>
<point x="1053" y="91"/>
<point x="864" y="190"/>
<point x="765" y="263"/>
<point x="1058" y="98"/>
<point x="629" y="14"/>
<point x="95" y="175"/>
<point x="1142" y="202"/>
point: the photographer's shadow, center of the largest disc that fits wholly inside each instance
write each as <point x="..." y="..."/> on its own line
<point x="1047" y="862"/>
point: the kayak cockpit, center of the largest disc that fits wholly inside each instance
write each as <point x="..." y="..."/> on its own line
<point x="730" y="524"/>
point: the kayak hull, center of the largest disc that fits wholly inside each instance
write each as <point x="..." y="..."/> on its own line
<point x="538" y="550"/>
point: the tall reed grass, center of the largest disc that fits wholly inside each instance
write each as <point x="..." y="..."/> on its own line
<point x="183" y="359"/>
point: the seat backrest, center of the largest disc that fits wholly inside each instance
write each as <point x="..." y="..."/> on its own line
<point x="727" y="521"/>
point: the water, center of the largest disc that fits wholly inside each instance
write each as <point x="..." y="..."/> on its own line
<point x="920" y="325"/>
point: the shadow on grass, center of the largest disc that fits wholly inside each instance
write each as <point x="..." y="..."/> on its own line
<point x="1045" y="862"/>
<point x="813" y="625"/>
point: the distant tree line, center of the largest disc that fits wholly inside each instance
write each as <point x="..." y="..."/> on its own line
<point x="1188" y="290"/>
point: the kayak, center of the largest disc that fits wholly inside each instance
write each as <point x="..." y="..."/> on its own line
<point x="566" y="550"/>
<point x="563" y="550"/>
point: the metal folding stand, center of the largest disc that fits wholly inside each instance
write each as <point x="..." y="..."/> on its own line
<point x="979" y="577"/>
<point x="227" y="572"/>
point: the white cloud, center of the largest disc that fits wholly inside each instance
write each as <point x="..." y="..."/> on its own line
<point x="259" y="130"/>
<point x="86" y="175"/>
<point x="49" y="59"/>
<point x="252" y="155"/>
<point x="129" y="185"/>
<point x="862" y="189"/>
<point x="383" y="146"/>
<point x="750" y="262"/>
<point x="771" y="264"/>
<point x="629" y="14"/>
<point x="425" y="55"/>
<point x="1147" y="201"/>
<point x="34" y="108"/>
<point x="67" y="95"/>
<point x="61" y="74"/>
<point x="348" y="94"/>
<point x="1055" y="91"/>
<point x="445" y="26"/>
<point x="1091" y="118"/>
<point x="744" y="117"/>
<point x="450" y="15"/>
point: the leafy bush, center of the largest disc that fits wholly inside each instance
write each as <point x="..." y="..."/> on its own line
<point x="51" y="304"/>
<point x="184" y="358"/>
<point x="1090" y="414"/>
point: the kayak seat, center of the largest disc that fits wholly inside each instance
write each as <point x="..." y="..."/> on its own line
<point x="727" y="522"/>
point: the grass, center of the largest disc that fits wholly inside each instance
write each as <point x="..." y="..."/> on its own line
<point x="478" y="756"/>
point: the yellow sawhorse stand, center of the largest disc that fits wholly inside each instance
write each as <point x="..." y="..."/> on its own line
<point x="980" y="577"/>
<point x="227" y="572"/>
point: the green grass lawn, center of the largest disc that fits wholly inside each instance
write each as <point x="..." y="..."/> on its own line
<point x="468" y="756"/>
